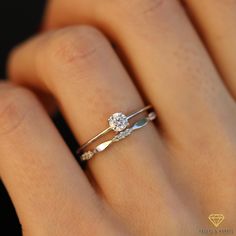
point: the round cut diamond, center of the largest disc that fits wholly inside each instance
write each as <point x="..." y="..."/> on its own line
<point x="118" y="122"/>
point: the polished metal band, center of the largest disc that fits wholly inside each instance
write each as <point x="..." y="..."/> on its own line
<point x="122" y="135"/>
<point x="117" y="122"/>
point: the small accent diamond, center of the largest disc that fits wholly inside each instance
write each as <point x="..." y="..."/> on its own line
<point x="152" y="116"/>
<point x="122" y="135"/>
<point x="118" y="122"/>
<point x="87" y="155"/>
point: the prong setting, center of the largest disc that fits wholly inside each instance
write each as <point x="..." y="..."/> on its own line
<point x="118" y="122"/>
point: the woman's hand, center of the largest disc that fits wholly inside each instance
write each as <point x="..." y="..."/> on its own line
<point x="165" y="179"/>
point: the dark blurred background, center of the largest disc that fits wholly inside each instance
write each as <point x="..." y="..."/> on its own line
<point x="19" y="19"/>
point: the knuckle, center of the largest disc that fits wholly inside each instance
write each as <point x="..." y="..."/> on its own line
<point x="15" y="103"/>
<point x="75" y="44"/>
<point x="139" y="7"/>
<point x="152" y="6"/>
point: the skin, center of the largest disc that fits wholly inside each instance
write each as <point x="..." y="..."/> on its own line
<point x="164" y="179"/>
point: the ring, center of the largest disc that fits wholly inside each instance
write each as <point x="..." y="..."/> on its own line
<point x="122" y="135"/>
<point x="117" y="122"/>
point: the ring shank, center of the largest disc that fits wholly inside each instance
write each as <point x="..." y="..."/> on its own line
<point x="93" y="139"/>
<point x="109" y="128"/>
<point x="118" y="137"/>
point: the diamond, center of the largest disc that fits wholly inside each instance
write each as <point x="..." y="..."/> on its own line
<point x="118" y="122"/>
<point x="87" y="156"/>
<point x="122" y="135"/>
<point x="152" y="116"/>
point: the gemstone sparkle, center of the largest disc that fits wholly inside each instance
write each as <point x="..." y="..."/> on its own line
<point x="87" y="156"/>
<point x="118" y="122"/>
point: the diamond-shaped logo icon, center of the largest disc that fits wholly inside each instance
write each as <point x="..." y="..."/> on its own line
<point x="216" y="219"/>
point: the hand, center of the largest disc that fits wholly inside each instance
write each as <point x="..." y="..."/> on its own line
<point x="164" y="179"/>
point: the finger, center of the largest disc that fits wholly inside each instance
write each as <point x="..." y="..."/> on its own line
<point x="219" y="34"/>
<point x="80" y="68"/>
<point x="49" y="190"/>
<point x="166" y="56"/>
<point x="176" y="74"/>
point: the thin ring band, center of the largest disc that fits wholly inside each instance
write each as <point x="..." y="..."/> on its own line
<point x="113" y="120"/>
<point x="120" y="136"/>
